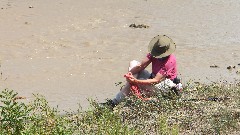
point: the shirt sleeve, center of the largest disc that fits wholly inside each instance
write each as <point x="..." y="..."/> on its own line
<point x="149" y="56"/>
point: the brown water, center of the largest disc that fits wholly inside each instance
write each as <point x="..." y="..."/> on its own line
<point x="72" y="50"/>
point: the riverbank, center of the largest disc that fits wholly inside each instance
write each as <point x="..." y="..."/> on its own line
<point x="72" y="50"/>
<point x="202" y="109"/>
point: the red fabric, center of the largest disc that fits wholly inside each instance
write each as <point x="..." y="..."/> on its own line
<point x="135" y="89"/>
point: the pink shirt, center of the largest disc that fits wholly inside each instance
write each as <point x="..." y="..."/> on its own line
<point x="166" y="67"/>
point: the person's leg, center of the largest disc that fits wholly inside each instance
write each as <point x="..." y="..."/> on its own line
<point x="125" y="91"/>
<point x="147" y="90"/>
<point x="151" y="90"/>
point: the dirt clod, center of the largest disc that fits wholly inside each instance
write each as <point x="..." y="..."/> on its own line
<point x="138" y="26"/>
<point x="214" y="66"/>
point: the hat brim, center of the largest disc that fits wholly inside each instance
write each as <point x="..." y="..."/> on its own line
<point x="157" y="54"/>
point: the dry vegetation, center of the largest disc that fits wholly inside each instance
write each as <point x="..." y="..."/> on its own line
<point x="201" y="109"/>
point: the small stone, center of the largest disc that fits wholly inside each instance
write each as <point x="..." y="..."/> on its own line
<point x="239" y="64"/>
<point x="197" y="82"/>
<point x="145" y="26"/>
<point x="238" y="72"/>
<point x="30" y="6"/>
<point x="214" y="66"/>
<point x="229" y="67"/>
<point x="138" y="26"/>
<point x="132" y="25"/>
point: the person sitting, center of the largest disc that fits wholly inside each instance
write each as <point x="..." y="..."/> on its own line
<point x="163" y="76"/>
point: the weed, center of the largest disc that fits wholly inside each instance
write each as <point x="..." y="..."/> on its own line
<point x="202" y="109"/>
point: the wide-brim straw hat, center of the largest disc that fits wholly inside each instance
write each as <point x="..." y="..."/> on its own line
<point x="161" y="46"/>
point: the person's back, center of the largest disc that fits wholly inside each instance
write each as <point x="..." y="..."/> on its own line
<point x="166" y="66"/>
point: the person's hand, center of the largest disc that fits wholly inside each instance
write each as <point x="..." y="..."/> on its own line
<point x="130" y="78"/>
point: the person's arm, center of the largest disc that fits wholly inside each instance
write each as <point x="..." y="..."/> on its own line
<point x="158" y="78"/>
<point x="145" y="62"/>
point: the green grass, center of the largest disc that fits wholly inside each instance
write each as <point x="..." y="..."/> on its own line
<point x="201" y="109"/>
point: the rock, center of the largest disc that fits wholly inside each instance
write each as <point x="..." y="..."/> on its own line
<point x="239" y="64"/>
<point x="132" y="25"/>
<point x="138" y="26"/>
<point x="230" y="67"/>
<point x="30" y="6"/>
<point x="214" y="66"/>
<point x="238" y="72"/>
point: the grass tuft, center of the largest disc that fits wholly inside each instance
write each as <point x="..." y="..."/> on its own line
<point x="201" y="109"/>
